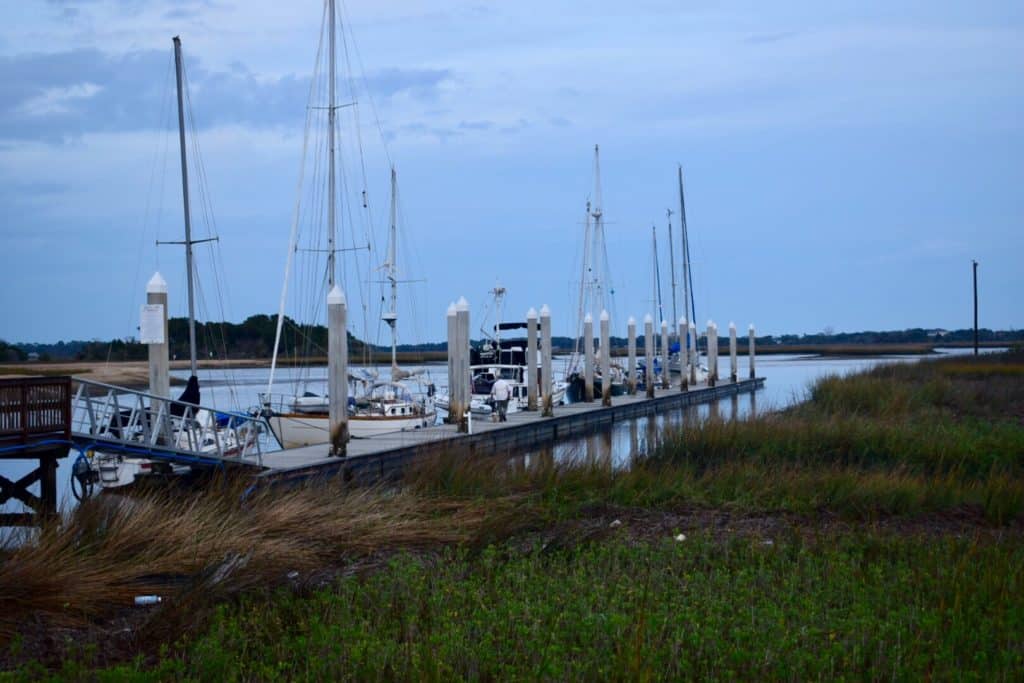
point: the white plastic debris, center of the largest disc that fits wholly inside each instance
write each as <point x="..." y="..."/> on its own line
<point x="681" y="537"/>
<point x="144" y="600"/>
<point x="768" y="541"/>
<point x="616" y="523"/>
<point x="293" y="575"/>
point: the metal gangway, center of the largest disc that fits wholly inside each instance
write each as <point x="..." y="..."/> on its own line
<point x="112" y="419"/>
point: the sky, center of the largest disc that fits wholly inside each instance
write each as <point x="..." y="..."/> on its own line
<point x="844" y="162"/>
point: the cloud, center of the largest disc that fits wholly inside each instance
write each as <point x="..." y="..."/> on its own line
<point x="65" y="95"/>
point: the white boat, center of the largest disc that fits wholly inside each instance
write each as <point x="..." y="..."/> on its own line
<point x="376" y="406"/>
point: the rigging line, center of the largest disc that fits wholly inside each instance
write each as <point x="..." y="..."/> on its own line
<point x="295" y="215"/>
<point x="366" y="85"/>
<point x="214" y="253"/>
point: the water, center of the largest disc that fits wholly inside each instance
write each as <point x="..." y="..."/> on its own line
<point x="788" y="379"/>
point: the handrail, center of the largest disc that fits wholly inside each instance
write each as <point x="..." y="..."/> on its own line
<point x="159" y="426"/>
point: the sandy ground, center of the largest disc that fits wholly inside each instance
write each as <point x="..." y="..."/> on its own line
<point x="134" y="374"/>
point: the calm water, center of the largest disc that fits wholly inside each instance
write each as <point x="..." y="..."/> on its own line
<point x="788" y="378"/>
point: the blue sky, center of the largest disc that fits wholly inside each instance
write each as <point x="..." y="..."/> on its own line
<point x="844" y="161"/>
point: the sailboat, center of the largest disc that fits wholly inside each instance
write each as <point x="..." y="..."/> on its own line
<point x="686" y="347"/>
<point x="376" y="406"/>
<point x="595" y="291"/>
<point x="115" y="470"/>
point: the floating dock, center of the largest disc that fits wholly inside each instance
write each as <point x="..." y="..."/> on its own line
<point x="386" y="456"/>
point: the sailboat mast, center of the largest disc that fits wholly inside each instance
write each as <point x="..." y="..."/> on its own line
<point x="188" y="214"/>
<point x="657" y="273"/>
<point x="688" y="312"/>
<point x="598" y="235"/>
<point x="330" y="147"/>
<point x="392" y="317"/>
<point x="672" y="268"/>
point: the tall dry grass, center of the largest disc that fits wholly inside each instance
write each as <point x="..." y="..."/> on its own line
<point x="91" y="565"/>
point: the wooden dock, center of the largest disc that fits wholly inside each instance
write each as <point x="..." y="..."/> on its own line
<point x="386" y="456"/>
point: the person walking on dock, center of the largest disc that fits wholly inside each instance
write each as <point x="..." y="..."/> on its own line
<point x="501" y="392"/>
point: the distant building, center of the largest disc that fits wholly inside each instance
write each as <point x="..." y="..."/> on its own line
<point x="937" y="334"/>
<point x="32" y="357"/>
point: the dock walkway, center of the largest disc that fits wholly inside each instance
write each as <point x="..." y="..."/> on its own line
<point x="385" y="456"/>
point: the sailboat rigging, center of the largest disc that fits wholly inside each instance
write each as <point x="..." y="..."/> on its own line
<point x="376" y="405"/>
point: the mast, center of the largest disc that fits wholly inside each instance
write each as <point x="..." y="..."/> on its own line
<point x="330" y="147"/>
<point x="188" y="214"/>
<point x="598" y="236"/>
<point x="688" y="309"/>
<point x="672" y="267"/>
<point x="391" y="317"/>
<point x="656" y="274"/>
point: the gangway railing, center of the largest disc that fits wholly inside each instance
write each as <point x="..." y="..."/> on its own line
<point x="138" y="423"/>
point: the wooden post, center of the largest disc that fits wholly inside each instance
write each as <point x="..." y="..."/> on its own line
<point x="733" y="367"/>
<point x="684" y="357"/>
<point x="454" y="408"/>
<point x="606" y="360"/>
<point x="531" y="359"/>
<point x="546" y="380"/>
<point x="337" y="371"/>
<point x="463" y="379"/>
<point x="649" y="354"/>
<point x="159" y="361"/>
<point x="750" y="353"/>
<point x="588" y="358"/>
<point x="631" y="331"/>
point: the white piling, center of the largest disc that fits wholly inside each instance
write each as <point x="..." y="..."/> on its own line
<point x="588" y="358"/>
<point x="454" y="407"/>
<point x="631" y="331"/>
<point x="712" y="355"/>
<point x="684" y="357"/>
<point x="337" y="371"/>
<point x="733" y="367"/>
<point x="694" y="358"/>
<point x="606" y="360"/>
<point x="664" y="355"/>
<point x="750" y="352"/>
<point x="546" y="380"/>
<point x="463" y="379"/>
<point x="159" y="361"/>
<point x="649" y="354"/>
<point x="531" y="359"/>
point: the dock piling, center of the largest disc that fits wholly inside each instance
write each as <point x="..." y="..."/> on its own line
<point x="531" y="359"/>
<point x="337" y="371"/>
<point x="631" y="379"/>
<point x="750" y="352"/>
<point x="664" y="355"/>
<point x="588" y="358"/>
<point x="733" y="368"/>
<point x="684" y="357"/>
<point x="454" y="408"/>
<point x="649" y="355"/>
<point x="694" y="358"/>
<point x="463" y="380"/>
<point x="159" y="362"/>
<point x="546" y="382"/>
<point x="606" y="360"/>
<point x="712" y="354"/>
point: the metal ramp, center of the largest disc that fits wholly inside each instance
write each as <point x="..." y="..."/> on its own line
<point x="113" y="419"/>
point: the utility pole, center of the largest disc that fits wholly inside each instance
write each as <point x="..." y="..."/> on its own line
<point x="975" y="265"/>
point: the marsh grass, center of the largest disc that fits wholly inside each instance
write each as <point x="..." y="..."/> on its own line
<point x="937" y="437"/>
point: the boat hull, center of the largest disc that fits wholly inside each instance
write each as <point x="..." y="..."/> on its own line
<point x="296" y="429"/>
